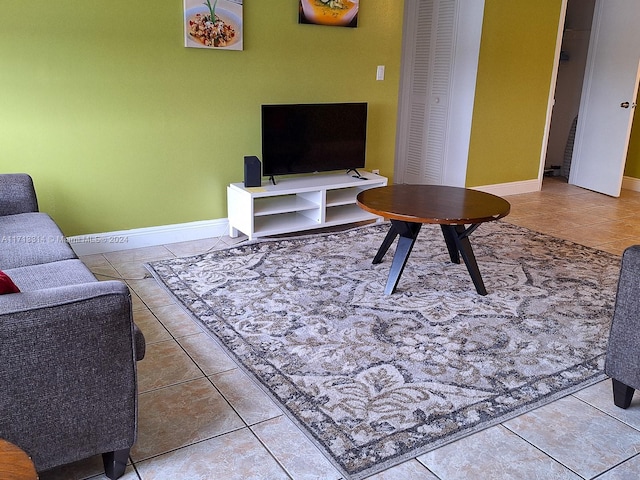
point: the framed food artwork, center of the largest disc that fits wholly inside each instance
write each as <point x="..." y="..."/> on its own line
<point x="341" y="13"/>
<point x="214" y="24"/>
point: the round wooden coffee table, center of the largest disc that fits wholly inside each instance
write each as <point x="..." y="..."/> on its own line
<point x="15" y="464"/>
<point x="453" y="208"/>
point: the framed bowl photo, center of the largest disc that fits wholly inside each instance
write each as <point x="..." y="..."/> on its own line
<point x="214" y="24"/>
<point x="338" y="13"/>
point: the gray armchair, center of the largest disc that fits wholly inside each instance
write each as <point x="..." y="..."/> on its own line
<point x="69" y="347"/>
<point x="623" y="352"/>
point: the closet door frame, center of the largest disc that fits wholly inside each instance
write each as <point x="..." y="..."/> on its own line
<point x="443" y="158"/>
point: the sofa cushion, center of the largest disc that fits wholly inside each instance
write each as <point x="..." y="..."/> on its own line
<point x="50" y="275"/>
<point x="7" y="285"/>
<point x="30" y="239"/>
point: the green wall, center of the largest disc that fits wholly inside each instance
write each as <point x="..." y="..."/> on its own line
<point x="632" y="167"/>
<point x="122" y="127"/>
<point x="514" y="74"/>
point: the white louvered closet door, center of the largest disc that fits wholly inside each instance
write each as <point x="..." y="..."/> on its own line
<point x="440" y="54"/>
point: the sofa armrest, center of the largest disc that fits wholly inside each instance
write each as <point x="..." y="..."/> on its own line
<point x="68" y="386"/>
<point x="17" y="194"/>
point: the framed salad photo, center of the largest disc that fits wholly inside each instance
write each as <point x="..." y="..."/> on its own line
<point x="341" y="13"/>
<point x="215" y="24"/>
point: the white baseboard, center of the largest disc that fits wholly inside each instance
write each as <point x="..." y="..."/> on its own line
<point x="528" y="186"/>
<point x="512" y="188"/>
<point x="630" y="183"/>
<point x="147" y="237"/>
<point x="184" y="232"/>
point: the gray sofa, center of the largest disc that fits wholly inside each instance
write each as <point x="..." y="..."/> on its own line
<point x="623" y="351"/>
<point x="69" y="345"/>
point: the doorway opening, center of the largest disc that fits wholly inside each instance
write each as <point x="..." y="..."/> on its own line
<point x="571" y="72"/>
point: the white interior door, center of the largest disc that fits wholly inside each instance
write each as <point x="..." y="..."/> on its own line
<point x="608" y="97"/>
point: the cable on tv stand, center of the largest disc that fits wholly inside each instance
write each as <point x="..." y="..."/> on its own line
<point x="357" y="174"/>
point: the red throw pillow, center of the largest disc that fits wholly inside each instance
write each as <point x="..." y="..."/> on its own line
<point x="7" y="285"/>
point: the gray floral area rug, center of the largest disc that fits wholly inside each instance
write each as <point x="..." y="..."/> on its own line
<point x="377" y="379"/>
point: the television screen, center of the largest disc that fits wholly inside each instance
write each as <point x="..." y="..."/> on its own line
<point x="306" y="138"/>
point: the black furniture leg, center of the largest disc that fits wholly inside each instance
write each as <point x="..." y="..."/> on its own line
<point x="460" y="236"/>
<point x="408" y="233"/>
<point x="386" y="243"/>
<point x="115" y="463"/>
<point x="622" y="394"/>
<point x="450" y="235"/>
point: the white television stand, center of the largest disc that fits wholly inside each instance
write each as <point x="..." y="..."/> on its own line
<point x="298" y="203"/>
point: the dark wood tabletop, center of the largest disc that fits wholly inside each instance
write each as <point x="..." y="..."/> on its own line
<point x="433" y="204"/>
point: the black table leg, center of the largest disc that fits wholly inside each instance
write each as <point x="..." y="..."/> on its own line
<point x="456" y="238"/>
<point x="408" y="233"/>
<point x="460" y="237"/>
<point x="450" y="235"/>
<point x="386" y="243"/>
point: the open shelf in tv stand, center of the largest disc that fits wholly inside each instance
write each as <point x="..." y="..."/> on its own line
<point x="298" y="203"/>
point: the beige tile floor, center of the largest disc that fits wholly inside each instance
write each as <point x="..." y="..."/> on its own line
<point x="200" y="417"/>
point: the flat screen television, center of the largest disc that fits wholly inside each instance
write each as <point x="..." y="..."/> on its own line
<point x="307" y="138"/>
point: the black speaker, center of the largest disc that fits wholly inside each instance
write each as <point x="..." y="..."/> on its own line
<point x="252" y="172"/>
